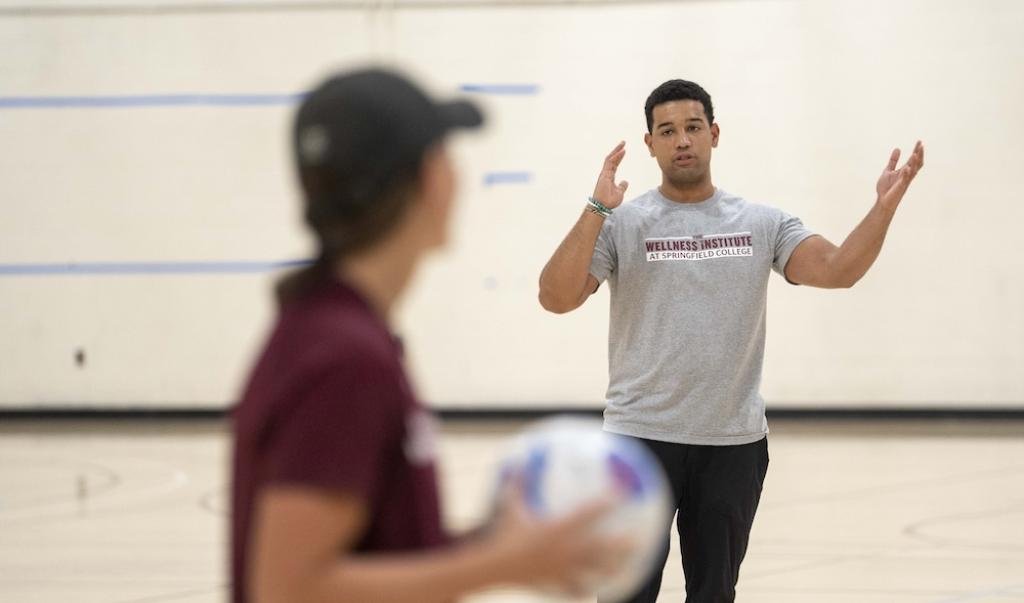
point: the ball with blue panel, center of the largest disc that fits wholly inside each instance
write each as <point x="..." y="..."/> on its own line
<point x="564" y="463"/>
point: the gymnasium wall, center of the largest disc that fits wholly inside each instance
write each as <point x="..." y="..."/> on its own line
<point x="147" y="203"/>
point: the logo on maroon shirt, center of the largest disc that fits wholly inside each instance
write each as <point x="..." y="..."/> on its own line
<point x="699" y="247"/>
<point x="420" y="438"/>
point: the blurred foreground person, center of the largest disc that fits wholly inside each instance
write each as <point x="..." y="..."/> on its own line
<point x="335" y="493"/>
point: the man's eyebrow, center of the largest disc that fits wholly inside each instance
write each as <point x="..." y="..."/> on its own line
<point x="668" y="123"/>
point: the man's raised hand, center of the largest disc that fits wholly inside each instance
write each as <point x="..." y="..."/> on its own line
<point x="606" y="191"/>
<point x="893" y="183"/>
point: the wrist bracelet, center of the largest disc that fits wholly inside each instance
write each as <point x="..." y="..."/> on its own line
<point x="598" y="208"/>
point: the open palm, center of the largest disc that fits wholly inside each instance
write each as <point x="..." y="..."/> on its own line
<point x="606" y="190"/>
<point x="893" y="183"/>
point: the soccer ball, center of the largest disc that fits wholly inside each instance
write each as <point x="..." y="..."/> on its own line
<point x="563" y="463"/>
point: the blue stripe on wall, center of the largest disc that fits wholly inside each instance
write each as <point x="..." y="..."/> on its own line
<point x="210" y="100"/>
<point x="148" y="100"/>
<point x="494" y="178"/>
<point x="501" y="89"/>
<point x="137" y="268"/>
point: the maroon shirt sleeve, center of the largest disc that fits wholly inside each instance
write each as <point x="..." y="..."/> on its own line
<point x="341" y="432"/>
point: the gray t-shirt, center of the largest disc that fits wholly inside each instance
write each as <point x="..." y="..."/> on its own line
<point x="688" y="286"/>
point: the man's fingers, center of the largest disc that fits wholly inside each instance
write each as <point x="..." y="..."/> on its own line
<point x="915" y="162"/>
<point x="618" y="149"/>
<point x="917" y="158"/>
<point x="893" y="159"/>
<point x="622" y="186"/>
<point x="615" y="157"/>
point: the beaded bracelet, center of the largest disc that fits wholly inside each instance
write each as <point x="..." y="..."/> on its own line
<point x="595" y="206"/>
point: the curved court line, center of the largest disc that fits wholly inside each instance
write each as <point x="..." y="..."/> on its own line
<point x="1012" y="590"/>
<point x="215" y="502"/>
<point x="114" y="501"/>
<point x="111" y="481"/>
<point x="114" y="480"/>
<point x="829" y="561"/>
<point x="136" y="268"/>
<point x="916" y="530"/>
<point x="119" y="501"/>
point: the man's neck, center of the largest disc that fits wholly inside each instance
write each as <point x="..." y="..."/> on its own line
<point x="700" y="191"/>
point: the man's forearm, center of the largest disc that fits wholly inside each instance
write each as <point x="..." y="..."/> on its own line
<point x="564" y="279"/>
<point x="854" y="257"/>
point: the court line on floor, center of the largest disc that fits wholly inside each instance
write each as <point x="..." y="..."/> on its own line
<point x="178" y="595"/>
<point x="1012" y="590"/>
<point x="115" y="501"/>
<point x="915" y="530"/>
<point x="864" y="592"/>
<point x="215" y="502"/>
<point x="884" y="489"/>
<point x="112" y="480"/>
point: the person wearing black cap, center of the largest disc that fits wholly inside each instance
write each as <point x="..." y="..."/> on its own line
<point x="334" y="495"/>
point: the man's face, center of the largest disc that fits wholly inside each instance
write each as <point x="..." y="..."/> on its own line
<point x="681" y="140"/>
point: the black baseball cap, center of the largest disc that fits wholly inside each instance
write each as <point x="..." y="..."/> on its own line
<point x="361" y="127"/>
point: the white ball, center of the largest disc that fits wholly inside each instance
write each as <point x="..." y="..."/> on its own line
<point x="564" y="463"/>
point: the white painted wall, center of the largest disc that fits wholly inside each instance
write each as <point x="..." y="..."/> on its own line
<point x="811" y="96"/>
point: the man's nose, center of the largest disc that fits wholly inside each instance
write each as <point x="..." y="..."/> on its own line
<point x="683" y="141"/>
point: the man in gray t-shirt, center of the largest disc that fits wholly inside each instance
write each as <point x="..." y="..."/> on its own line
<point x="688" y="265"/>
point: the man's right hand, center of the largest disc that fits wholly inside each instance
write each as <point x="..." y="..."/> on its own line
<point x="606" y="191"/>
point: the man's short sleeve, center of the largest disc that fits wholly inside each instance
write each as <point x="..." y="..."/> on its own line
<point x="791" y="232"/>
<point x="602" y="263"/>
<point x="338" y="435"/>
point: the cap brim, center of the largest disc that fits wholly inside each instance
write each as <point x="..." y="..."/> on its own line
<point x="460" y="114"/>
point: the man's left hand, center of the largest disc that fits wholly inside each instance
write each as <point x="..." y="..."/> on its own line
<point x="893" y="183"/>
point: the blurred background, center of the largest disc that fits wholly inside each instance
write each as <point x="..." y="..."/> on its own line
<point x="147" y="205"/>
<point x="147" y="199"/>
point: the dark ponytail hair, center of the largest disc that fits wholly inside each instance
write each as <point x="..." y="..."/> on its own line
<point x="348" y="216"/>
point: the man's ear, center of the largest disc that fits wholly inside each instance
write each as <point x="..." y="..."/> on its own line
<point x="715" y="133"/>
<point x="648" y="139"/>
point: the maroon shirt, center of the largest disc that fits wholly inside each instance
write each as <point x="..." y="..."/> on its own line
<point x="328" y="406"/>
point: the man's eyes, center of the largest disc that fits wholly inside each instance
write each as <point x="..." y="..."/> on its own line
<point x="688" y="129"/>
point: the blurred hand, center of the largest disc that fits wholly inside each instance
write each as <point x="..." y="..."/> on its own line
<point x="564" y="554"/>
<point x="606" y="191"/>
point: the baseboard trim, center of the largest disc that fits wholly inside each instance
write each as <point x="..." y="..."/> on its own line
<point x="529" y="413"/>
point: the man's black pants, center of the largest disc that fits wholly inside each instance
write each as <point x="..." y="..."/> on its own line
<point x="715" y="490"/>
